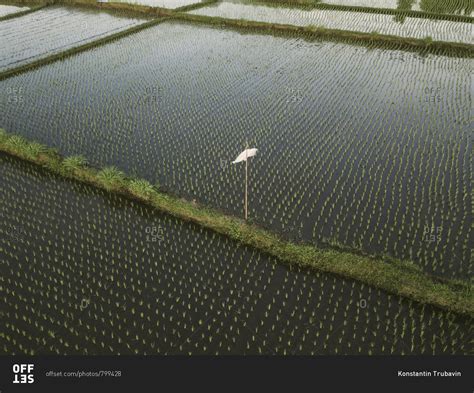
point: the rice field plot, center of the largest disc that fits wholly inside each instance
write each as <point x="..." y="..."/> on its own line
<point x="7" y="9"/>
<point x="171" y="4"/>
<point x="52" y="30"/>
<point x="86" y="272"/>
<point x="455" y="7"/>
<point x="377" y="161"/>
<point x="438" y="30"/>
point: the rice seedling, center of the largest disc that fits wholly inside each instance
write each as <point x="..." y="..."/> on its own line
<point x="384" y="274"/>
<point x="456" y="10"/>
<point x="337" y="166"/>
<point x="92" y="281"/>
<point x="8" y="11"/>
<point x="66" y="28"/>
<point x="456" y="7"/>
<point x="342" y="20"/>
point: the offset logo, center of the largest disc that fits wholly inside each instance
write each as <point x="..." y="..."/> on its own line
<point x="23" y="373"/>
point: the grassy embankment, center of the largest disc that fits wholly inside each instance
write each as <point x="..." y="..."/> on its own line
<point x="323" y="32"/>
<point x="401" y="278"/>
<point x="24" y="12"/>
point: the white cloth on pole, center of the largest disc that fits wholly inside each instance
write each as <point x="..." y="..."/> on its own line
<point x="244" y="155"/>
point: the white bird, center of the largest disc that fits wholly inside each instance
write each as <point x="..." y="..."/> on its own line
<point x="247" y="153"/>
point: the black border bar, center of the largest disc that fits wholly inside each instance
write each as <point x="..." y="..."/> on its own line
<point x="247" y="374"/>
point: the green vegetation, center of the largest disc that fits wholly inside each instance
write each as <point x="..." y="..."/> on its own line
<point x="141" y="188"/>
<point x="445" y="31"/>
<point x="461" y="49"/>
<point x="388" y="275"/>
<point x="77" y="49"/>
<point x="358" y="241"/>
<point x="196" y="6"/>
<point x="73" y="163"/>
<point x="21" y="13"/>
<point x="342" y="161"/>
<point x="86" y="271"/>
<point x="111" y="178"/>
<point x="400" y="13"/>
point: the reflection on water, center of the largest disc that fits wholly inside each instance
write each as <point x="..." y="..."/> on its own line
<point x="456" y="7"/>
<point x="413" y="27"/>
<point x="67" y="27"/>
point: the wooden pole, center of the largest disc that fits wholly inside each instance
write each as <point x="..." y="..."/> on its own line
<point x="246" y="179"/>
<point x="246" y="188"/>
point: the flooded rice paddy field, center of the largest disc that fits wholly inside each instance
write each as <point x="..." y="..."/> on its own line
<point x="377" y="161"/>
<point x="438" y="30"/>
<point x="8" y="9"/>
<point x="52" y="30"/>
<point x="87" y="272"/>
<point x="455" y="7"/>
